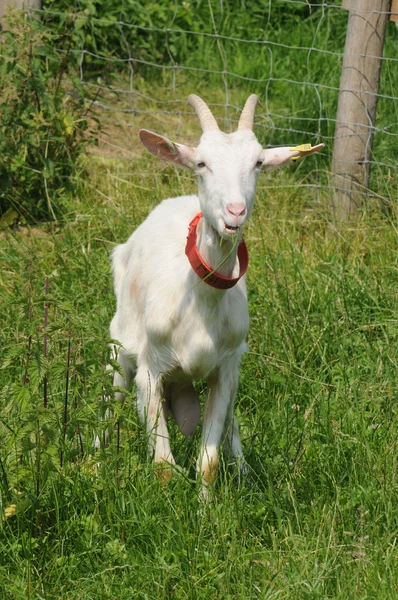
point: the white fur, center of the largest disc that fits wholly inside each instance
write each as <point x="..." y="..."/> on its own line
<point x="173" y="327"/>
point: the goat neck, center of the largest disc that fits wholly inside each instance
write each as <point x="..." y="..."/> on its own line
<point x="219" y="253"/>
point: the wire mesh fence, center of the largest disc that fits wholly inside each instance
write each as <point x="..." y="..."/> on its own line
<point x="139" y="61"/>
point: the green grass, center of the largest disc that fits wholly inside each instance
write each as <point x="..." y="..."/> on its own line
<point x="317" y="402"/>
<point x="317" y="405"/>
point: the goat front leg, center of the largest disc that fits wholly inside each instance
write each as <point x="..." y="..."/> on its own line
<point x="218" y="410"/>
<point x="153" y="411"/>
<point x="233" y="445"/>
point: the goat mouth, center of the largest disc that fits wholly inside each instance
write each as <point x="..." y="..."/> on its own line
<point x="230" y="229"/>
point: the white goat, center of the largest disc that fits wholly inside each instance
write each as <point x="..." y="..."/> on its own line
<point x="182" y="310"/>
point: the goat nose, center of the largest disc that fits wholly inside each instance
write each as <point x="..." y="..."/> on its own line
<point x="237" y="209"/>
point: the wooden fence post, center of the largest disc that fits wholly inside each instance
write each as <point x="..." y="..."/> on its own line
<point x="356" y="113"/>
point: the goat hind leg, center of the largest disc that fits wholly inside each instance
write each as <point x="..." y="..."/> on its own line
<point x="153" y="410"/>
<point x="233" y="445"/>
<point x="120" y="380"/>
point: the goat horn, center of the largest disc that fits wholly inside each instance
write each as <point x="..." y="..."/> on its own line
<point x="206" y="118"/>
<point x="247" y="116"/>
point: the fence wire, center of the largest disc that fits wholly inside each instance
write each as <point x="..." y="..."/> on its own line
<point x="292" y="59"/>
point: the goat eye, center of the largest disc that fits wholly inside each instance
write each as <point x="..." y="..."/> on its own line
<point x="259" y="164"/>
<point x="200" y="165"/>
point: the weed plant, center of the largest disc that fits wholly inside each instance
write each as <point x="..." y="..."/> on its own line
<point x="43" y="120"/>
<point x="318" y="516"/>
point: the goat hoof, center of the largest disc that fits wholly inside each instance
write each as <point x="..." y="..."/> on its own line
<point x="164" y="471"/>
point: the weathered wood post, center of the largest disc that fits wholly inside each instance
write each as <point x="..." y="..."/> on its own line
<point x="356" y="113"/>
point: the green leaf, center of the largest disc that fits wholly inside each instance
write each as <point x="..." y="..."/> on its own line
<point x="48" y="168"/>
<point x="9" y="218"/>
<point x="69" y="124"/>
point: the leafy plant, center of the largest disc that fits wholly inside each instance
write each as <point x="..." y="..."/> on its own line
<point x="42" y="122"/>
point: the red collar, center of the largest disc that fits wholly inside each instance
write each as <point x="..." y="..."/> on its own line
<point x="202" y="269"/>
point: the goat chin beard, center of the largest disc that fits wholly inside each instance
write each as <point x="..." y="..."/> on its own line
<point x="231" y="233"/>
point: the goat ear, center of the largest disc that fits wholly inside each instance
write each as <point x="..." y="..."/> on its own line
<point x="278" y="157"/>
<point x="161" y="147"/>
